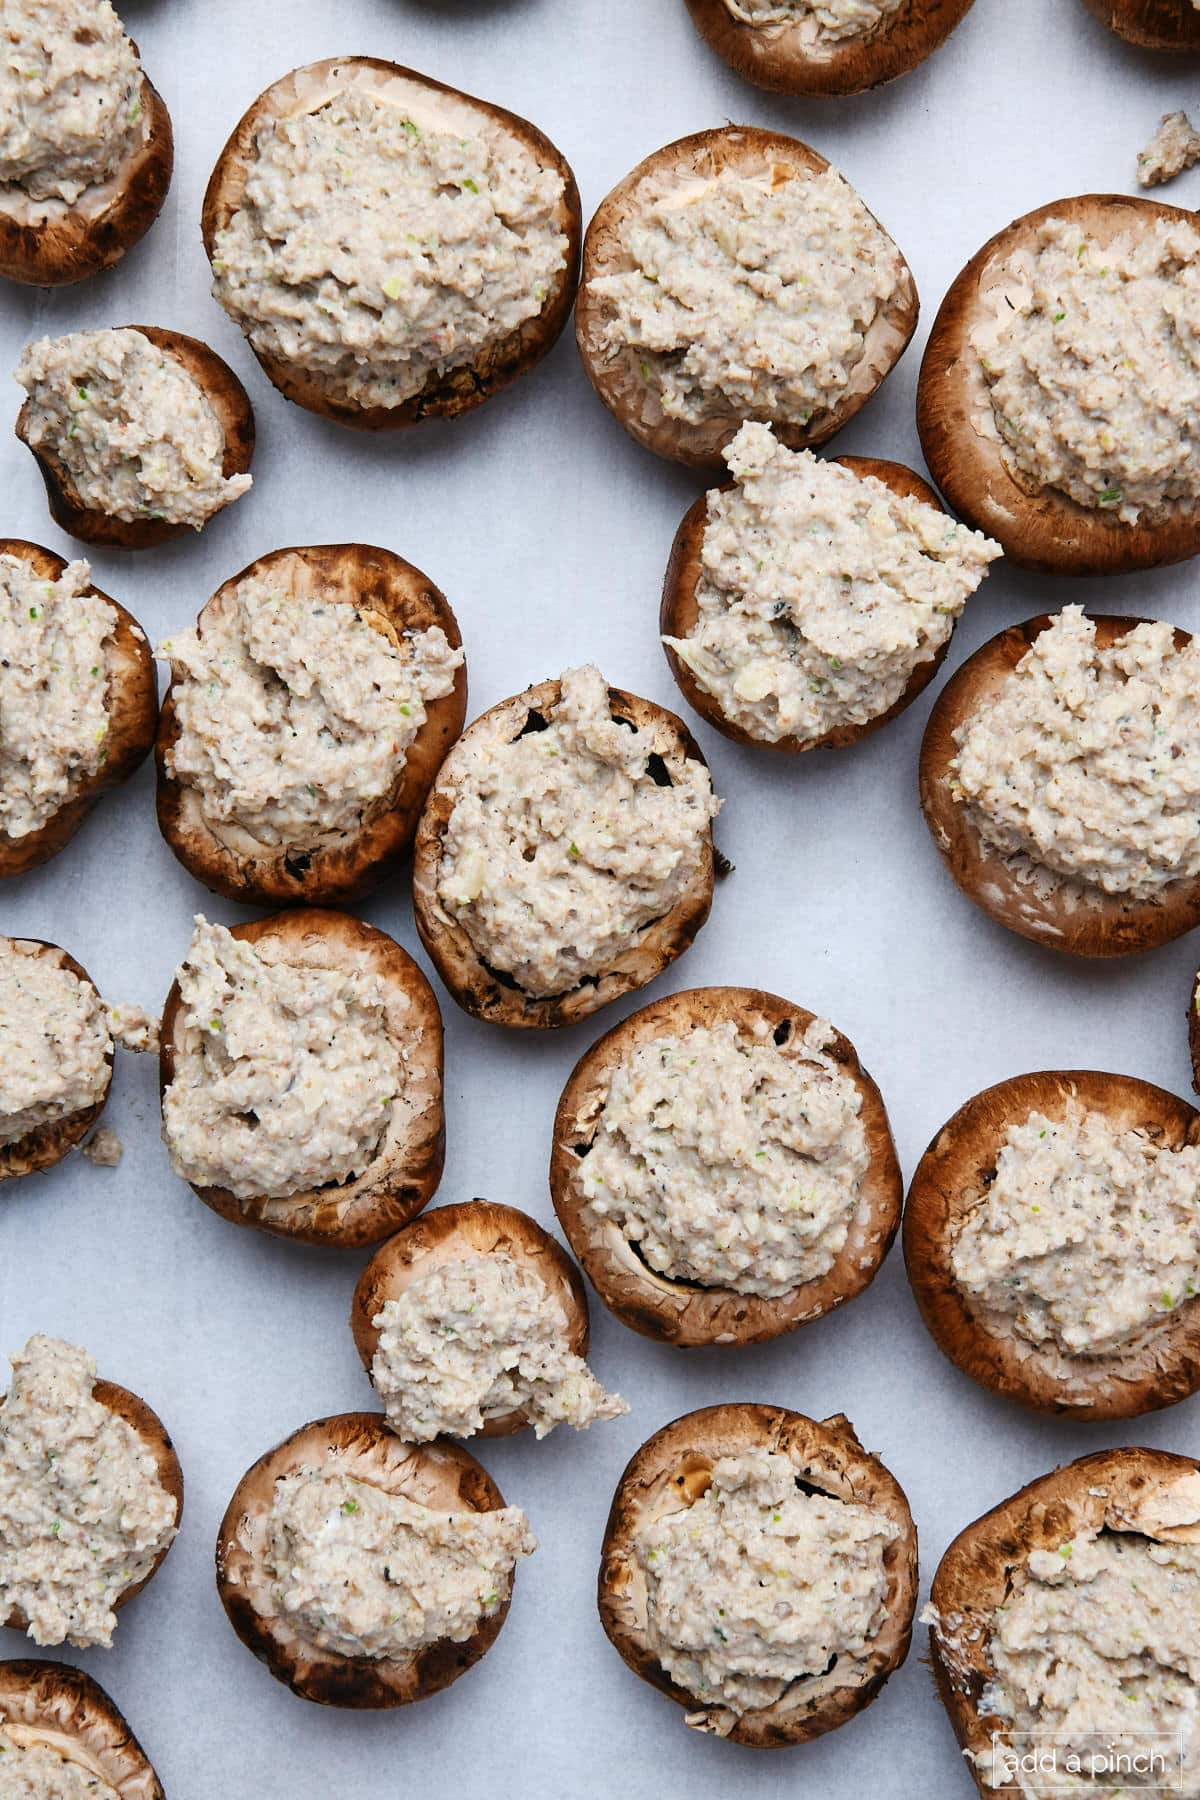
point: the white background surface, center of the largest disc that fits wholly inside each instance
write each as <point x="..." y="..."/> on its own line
<point x="549" y="532"/>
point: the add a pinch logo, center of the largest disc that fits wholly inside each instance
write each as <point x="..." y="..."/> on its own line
<point x="1137" y="1762"/>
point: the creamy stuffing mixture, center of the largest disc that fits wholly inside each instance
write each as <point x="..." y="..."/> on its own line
<point x="285" y="1074"/>
<point x="820" y="21"/>
<point x="1087" y="1234"/>
<point x="378" y="249"/>
<point x="83" y="1515"/>
<point x="296" y="713"/>
<point x="1087" y="762"/>
<point x="360" y="1572"/>
<point x="36" y="1771"/>
<point x="70" y="97"/>
<point x="759" y="1584"/>
<point x="473" y="1339"/>
<point x="133" y="428"/>
<point x="731" y="1161"/>
<point x="821" y="592"/>
<point x="1092" y="360"/>
<point x="54" y="691"/>
<point x="55" y="1044"/>
<point x="561" y="845"/>
<point x="1173" y="149"/>
<point x="103" y="1149"/>
<point x="750" y="296"/>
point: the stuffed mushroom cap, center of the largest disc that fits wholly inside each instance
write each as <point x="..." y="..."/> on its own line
<point x="673" y="1470"/>
<point x="52" y="1705"/>
<point x="783" y="55"/>
<point x="1151" y="24"/>
<point x="47" y="1144"/>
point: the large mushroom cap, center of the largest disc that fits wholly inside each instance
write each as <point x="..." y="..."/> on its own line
<point x="683" y="1312"/>
<point x="458" y="390"/>
<point x="48" y="1144"/>
<point x="782" y="56"/>
<point x="53" y="1704"/>
<point x="671" y="1471"/>
<point x="1151" y="24"/>
<point x="383" y="589"/>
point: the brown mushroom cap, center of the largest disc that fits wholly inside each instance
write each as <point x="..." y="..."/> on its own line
<point x="441" y="1475"/>
<point x="688" y="1313"/>
<point x="680" y="612"/>
<point x="47" y="243"/>
<point x="228" y="400"/>
<point x="1039" y="527"/>
<point x="776" y="55"/>
<point x="1150" y="24"/>
<point x="457" y="390"/>
<point x="489" y="994"/>
<point x="1194" y="1032"/>
<point x="53" y="1704"/>
<point x="746" y="151"/>
<point x="671" y="1471"/>
<point x="404" y="1173"/>
<point x="48" y="1144"/>
<point x="384" y="590"/>
<point x="1034" y="902"/>
<point x="1157" y="1368"/>
<point x="1116" y="1490"/>
<point x="132" y="711"/>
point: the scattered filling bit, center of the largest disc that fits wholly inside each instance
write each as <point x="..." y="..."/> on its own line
<point x="821" y="592"/>
<point x="561" y="845"/>
<point x="759" y="1584"/>
<point x="378" y="251"/>
<point x="104" y="1148"/>
<point x="132" y="427"/>
<point x="70" y="97"/>
<point x="54" y="1043"/>
<point x="285" y="1074"/>
<point x="54" y="691"/>
<point x="1092" y="360"/>
<point x="133" y="1029"/>
<point x="296" y="713"/>
<point x="83" y="1515"/>
<point x="38" y="1771"/>
<point x="1174" y="148"/>
<point x="751" y="296"/>
<point x="731" y="1162"/>
<point x="474" y="1339"/>
<point x="1086" y="1235"/>
<point x="820" y="21"/>
<point x="360" y="1572"/>
<point x="1087" y="761"/>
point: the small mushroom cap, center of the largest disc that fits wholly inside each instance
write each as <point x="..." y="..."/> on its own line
<point x="1158" y="1368"/>
<point x="1152" y="1492"/>
<point x="383" y="589"/>
<point x="452" y="1234"/>
<point x="53" y="1704"/>
<point x="404" y="1173"/>
<point x="489" y="994"/>
<point x="1039" y="527"/>
<point x="680" y="612"/>
<point x="468" y="385"/>
<point x="683" y="1312"/>
<point x="1151" y="24"/>
<point x="1054" y="911"/>
<point x="441" y="1475"/>
<point x="132" y="712"/>
<point x="48" y="1144"/>
<point x="776" y="56"/>
<point x="748" y="151"/>
<point x="671" y="1471"/>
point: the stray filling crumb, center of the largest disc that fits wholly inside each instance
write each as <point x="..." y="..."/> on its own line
<point x="1087" y="761"/>
<point x="104" y="1148"/>
<point x="70" y="97"/>
<point x="561" y="845"/>
<point x="37" y="1771"/>
<point x="54" y="1043"/>
<point x="83" y="1515"/>
<point x="1174" y="148"/>
<point x="821" y="592"/>
<point x="819" y="21"/>
<point x="477" y="1338"/>
<point x="759" y="1584"/>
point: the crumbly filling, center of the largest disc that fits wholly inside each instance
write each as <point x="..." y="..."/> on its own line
<point x="1087" y="762"/>
<point x="821" y="592"/>
<point x="1174" y="148"/>
<point x="36" y="1771"/>
<point x="759" y="1584"/>
<point x="750" y="296"/>
<point x="728" y="1160"/>
<point x="820" y="21"/>
<point x="83" y="1515"/>
<point x="70" y="97"/>
<point x="1093" y="366"/>
<point x="284" y="1074"/>
<point x="295" y="713"/>
<point x="561" y="845"/>
<point x="54" y="691"/>
<point x="134" y="430"/>
<point x="378" y="250"/>
<point x="103" y="1149"/>
<point x="360" y="1572"/>
<point x="54" y="1043"/>
<point x="473" y="1339"/>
